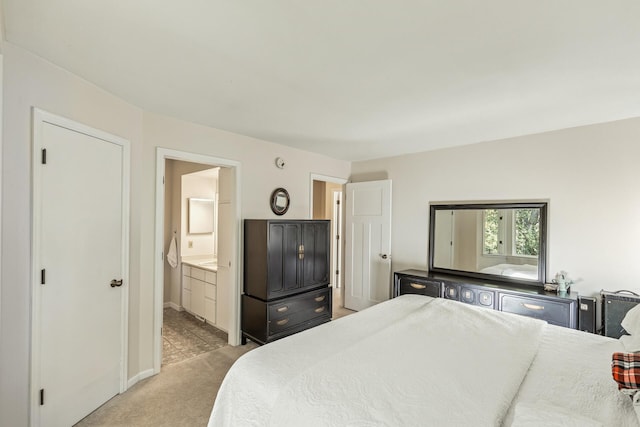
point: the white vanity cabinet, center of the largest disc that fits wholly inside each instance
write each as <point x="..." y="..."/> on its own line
<point x="199" y="292"/>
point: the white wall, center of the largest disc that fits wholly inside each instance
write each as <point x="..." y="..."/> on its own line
<point x="30" y="81"/>
<point x="590" y="176"/>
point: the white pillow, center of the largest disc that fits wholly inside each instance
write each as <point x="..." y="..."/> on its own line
<point x="631" y="343"/>
<point x="529" y="414"/>
<point x="631" y="321"/>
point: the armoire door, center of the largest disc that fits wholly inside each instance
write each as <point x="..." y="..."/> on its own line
<point x="316" y="253"/>
<point x="284" y="269"/>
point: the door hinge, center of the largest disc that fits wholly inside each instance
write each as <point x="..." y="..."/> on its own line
<point x="44" y="156"/>
<point x="42" y="276"/>
<point x="337" y="272"/>
<point x="41" y="396"/>
<point x="338" y="237"/>
<point x="163" y="180"/>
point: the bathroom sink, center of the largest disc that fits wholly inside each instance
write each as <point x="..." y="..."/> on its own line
<point x="208" y="264"/>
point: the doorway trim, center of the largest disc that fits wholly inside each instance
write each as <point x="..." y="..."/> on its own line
<point x="163" y="154"/>
<point x="39" y="118"/>
<point x="337" y="243"/>
<point x="326" y="178"/>
<point x="343" y="182"/>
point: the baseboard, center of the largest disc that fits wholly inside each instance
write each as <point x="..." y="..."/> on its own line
<point x="173" y="305"/>
<point x="139" y="377"/>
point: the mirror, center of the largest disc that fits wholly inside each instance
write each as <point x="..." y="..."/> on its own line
<point x="501" y="241"/>
<point x="280" y="201"/>
<point x="200" y="216"/>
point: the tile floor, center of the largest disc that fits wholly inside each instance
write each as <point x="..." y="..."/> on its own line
<point x="184" y="337"/>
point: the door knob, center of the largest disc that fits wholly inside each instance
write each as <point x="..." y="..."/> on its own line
<point x="116" y="283"/>
<point x="384" y="256"/>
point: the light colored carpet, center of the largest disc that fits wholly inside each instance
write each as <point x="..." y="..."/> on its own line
<point x="181" y="395"/>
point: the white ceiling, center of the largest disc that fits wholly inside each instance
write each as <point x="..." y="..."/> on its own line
<point x="352" y="79"/>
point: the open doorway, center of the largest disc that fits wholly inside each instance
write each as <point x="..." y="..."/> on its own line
<point x="197" y="235"/>
<point x="192" y="324"/>
<point x="327" y="203"/>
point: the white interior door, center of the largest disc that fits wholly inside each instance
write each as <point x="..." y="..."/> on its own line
<point x="368" y="244"/>
<point x="80" y="241"/>
<point x="443" y="240"/>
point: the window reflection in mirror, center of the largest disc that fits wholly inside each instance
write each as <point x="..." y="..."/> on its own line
<point x="513" y="232"/>
<point x="504" y="241"/>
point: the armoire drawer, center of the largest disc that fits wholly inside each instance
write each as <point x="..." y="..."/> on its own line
<point x="282" y="324"/>
<point x="298" y="310"/>
<point x="553" y="312"/>
<point x="293" y="305"/>
<point x="263" y="323"/>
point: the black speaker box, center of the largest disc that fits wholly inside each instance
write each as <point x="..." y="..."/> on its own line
<point x="615" y="306"/>
<point x="587" y="314"/>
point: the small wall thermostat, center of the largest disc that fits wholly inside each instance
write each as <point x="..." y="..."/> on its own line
<point x="280" y="162"/>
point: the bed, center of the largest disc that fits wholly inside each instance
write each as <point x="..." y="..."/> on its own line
<point x="416" y="360"/>
<point x="519" y="271"/>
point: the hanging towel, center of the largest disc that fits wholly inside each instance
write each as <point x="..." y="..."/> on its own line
<point x="172" y="255"/>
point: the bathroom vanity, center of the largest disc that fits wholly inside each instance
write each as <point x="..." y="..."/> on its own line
<point x="199" y="289"/>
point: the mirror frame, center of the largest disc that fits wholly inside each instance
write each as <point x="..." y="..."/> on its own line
<point x="274" y="197"/>
<point x="542" y="254"/>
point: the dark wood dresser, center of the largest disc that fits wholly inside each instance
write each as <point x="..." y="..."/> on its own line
<point x="286" y="278"/>
<point x="527" y="301"/>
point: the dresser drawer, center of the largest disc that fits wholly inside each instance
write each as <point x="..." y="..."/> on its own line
<point x="553" y="312"/>
<point x="415" y="285"/>
<point x="308" y="301"/>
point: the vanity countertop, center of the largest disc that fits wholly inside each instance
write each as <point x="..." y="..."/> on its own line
<point x="206" y="263"/>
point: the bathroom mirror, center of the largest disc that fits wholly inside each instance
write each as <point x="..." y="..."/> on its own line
<point x="501" y="241"/>
<point x="201" y="216"/>
<point x="280" y="201"/>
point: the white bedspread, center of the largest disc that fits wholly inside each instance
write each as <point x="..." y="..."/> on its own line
<point x="415" y="361"/>
<point x="572" y="370"/>
<point x="520" y="271"/>
<point x="411" y="361"/>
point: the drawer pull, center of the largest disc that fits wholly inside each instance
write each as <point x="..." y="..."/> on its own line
<point x="319" y="309"/>
<point x="533" y="306"/>
<point x="282" y="309"/>
<point x="417" y="286"/>
<point x="318" y="299"/>
<point x="282" y="322"/>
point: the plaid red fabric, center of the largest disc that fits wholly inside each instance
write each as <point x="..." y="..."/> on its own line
<point x="625" y="368"/>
